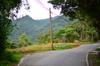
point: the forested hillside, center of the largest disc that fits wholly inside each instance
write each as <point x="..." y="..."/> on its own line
<point x="34" y="28"/>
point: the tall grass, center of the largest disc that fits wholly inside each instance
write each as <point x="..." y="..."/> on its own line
<point x="43" y="47"/>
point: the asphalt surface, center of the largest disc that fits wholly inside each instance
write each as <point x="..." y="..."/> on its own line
<point x="70" y="57"/>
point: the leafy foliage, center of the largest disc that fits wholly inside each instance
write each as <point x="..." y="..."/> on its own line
<point x="10" y="58"/>
<point x="80" y="8"/>
<point x="23" y="40"/>
<point x="74" y="31"/>
<point x="6" y="14"/>
<point x="5" y="22"/>
<point x="79" y="31"/>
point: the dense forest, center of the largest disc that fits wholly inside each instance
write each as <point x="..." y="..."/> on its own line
<point x="80" y="30"/>
<point x="80" y="8"/>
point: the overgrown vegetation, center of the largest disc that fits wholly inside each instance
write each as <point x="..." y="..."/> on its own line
<point x="94" y="57"/>
<point x="43" y="47"/>
<point x="6" y="7"/>
<point x="81" y="30"/>
<point x="23" y="40"/>
<point x="10" y="58"/>
<point x="5" y="22"/>
<point x="80" y="8"/>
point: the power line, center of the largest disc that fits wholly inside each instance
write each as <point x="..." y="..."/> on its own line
<point x="48" y="9"/>
<point x="44" y="6"/>
<point x="38" y="1"/>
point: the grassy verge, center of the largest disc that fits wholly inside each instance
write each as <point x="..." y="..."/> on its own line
<point x="11" y="59"/>
<point x="43" y="47"/>
<point x="64" y="46"/>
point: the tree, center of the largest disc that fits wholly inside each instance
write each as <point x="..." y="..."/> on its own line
<point x="44" y="38"/>
<point x="23" y="40"/>
<point x="77" y="31"/>
<point x="68" y="34"/>
<point x="80" y="30"/>
<point x="74" y="8"/>
<point x="6" y="6"/>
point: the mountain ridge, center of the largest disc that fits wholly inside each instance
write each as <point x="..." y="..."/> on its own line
<point x="33" y="28"/>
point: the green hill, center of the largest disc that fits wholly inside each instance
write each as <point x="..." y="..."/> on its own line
<point x="33" y="28"/>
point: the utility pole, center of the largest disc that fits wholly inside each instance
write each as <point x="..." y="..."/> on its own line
<point x="51" y="30"/>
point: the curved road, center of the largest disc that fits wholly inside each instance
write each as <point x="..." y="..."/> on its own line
<point x="70" y="57"/>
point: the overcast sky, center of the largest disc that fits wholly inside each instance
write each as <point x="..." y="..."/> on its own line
<point x="39" y="9"/>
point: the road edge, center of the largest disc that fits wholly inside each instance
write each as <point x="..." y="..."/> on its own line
<point x="87" y="62"/>
<point x="22" y="59"/>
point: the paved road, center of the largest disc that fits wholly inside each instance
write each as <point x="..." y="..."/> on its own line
<point x="70" y="57"/>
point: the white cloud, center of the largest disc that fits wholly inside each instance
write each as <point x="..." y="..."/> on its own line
<point x="39" y="9"/>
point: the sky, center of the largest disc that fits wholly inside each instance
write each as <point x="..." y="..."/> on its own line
<point x="39" y="9"/>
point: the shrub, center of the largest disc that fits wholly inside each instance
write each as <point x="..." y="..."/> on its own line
<point x="5" y="63"/>
<point x="13" y="56"/>
<point x="98" y="49"/>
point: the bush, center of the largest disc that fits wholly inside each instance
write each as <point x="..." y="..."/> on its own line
<point x="5" y="63"/>
<point x="10" y="58"/>
<point x="98" y="49"/>
<point x="13" y="56"/>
